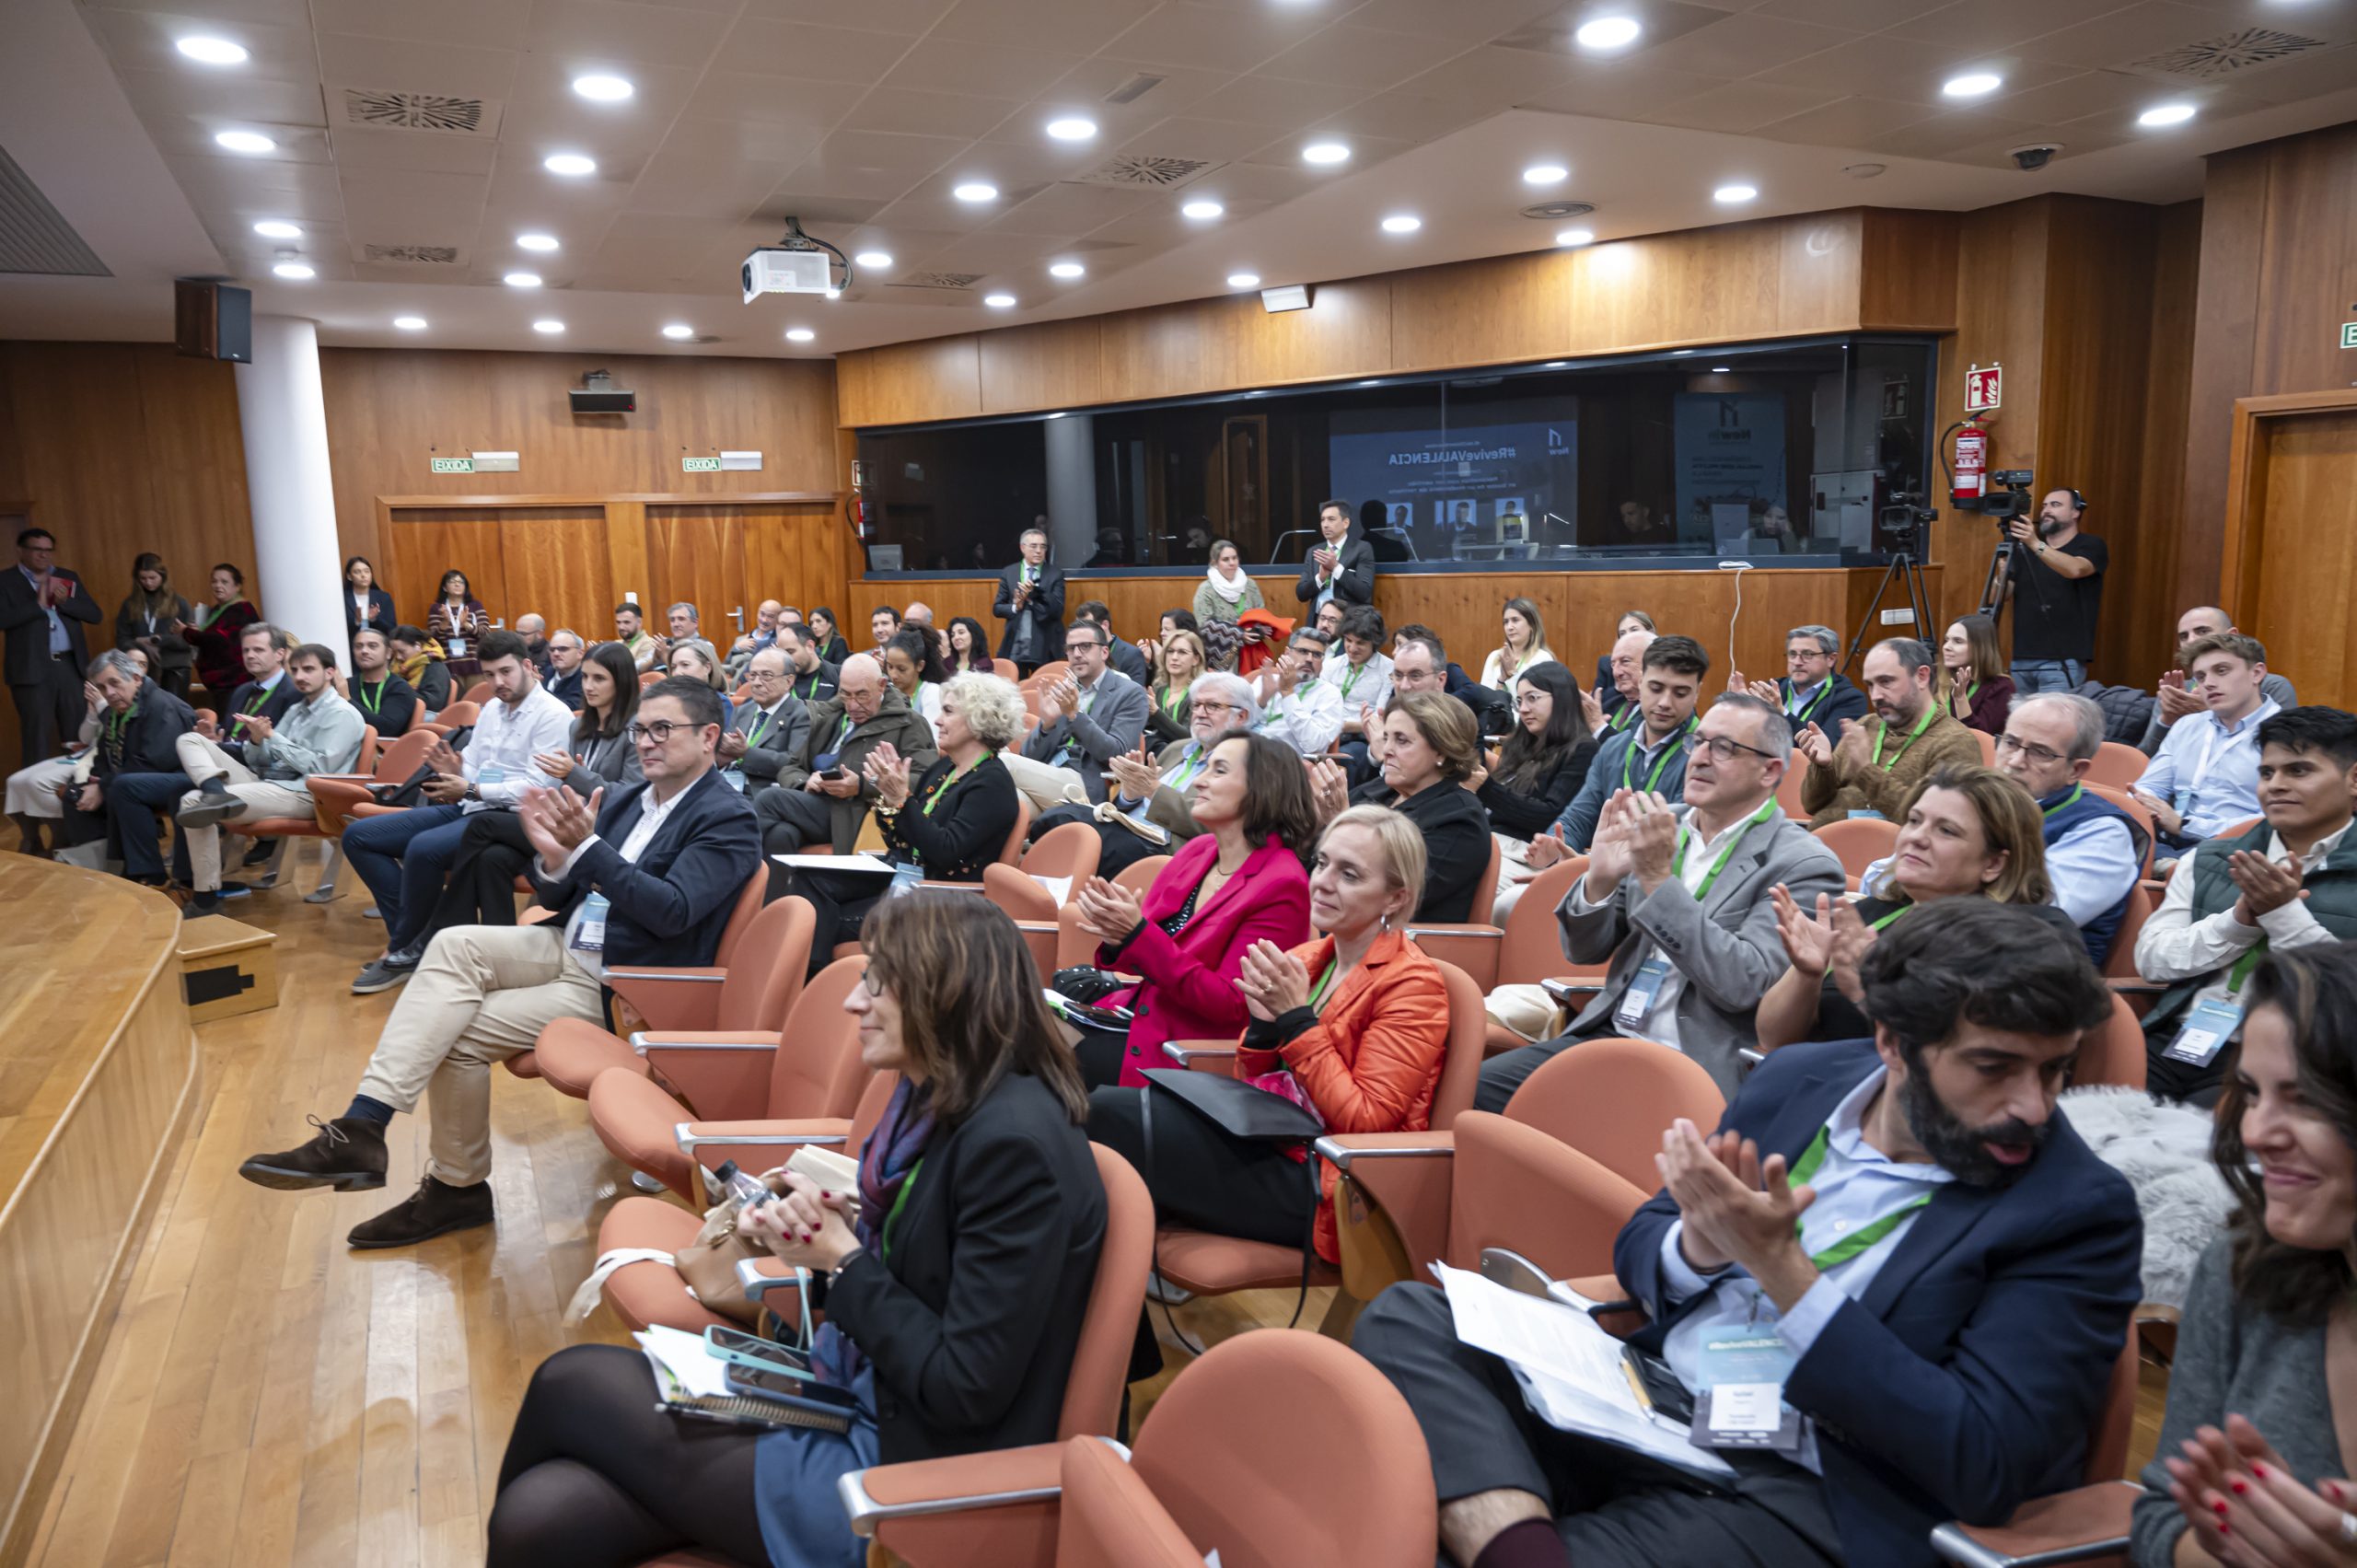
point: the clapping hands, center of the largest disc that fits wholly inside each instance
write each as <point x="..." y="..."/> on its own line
<point x="888" y="771"/>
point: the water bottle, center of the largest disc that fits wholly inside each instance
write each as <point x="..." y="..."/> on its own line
<point x="743" y="1190"/>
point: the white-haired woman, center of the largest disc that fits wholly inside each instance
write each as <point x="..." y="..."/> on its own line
<point x="949" y="823"/>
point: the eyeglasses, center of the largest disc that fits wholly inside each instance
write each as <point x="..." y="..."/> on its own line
<point x="2006" y="745"/>
<point x="659" y="731"/>
<point x="1722" y="750"/>
<point x="1201" y="706"/>
<point x="1532" y="699"/>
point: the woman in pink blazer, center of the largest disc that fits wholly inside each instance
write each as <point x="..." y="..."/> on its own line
<point x="1240" y="882"/>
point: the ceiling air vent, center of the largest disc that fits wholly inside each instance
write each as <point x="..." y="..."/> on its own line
<point x="417" y="112"/>
<point x="423" y="255"/>
<point x="1136" y="87"/>
<point x="937" y="280"/>
<point x="2228" y="55"/>
<point x="1146" y="171"/>
<point x="1560" y="210"/>
<point x="34" y="235"/>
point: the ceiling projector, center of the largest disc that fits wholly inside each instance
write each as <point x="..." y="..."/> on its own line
<point x="775" y="269"/>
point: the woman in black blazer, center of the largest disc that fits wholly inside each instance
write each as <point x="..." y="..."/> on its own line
<point x="955" y="1284"/>
<point x="1544" y="762"/>
<point x="949" y="824"/>
<point x="365" y="604"/>
<point x="1430" y="750"/>
<point x="832" y="647"/>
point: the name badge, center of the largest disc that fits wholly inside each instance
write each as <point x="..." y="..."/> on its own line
<point x="1741" y="1404"/>
<point x="735" y="780"/>
<point x="1638" y="1000"/>
<point x="589" y="933"/>
<point x="904" y="880"/>
<point x="2209" y="1024"/>
<point x="1869" y="816"/>
<point x="490" y="773"/>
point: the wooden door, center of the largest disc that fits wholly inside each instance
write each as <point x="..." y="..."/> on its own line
<point x="697" y="554"/>
<point x="796" y="553"/>
<point x="2293" y="542"/>
<point x="425" y="541"/>
<point x="557" y="567"/>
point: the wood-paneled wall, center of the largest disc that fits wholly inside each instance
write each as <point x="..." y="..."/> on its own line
<point x="1773" y="278"/>
<point x="2279" y="228"/>
<point x="1578" y="608"/>
<point x="390" y="412"/>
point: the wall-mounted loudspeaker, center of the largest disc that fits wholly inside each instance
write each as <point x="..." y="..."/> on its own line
<point x="598" y="394"/>
<point x="212" y="321"/>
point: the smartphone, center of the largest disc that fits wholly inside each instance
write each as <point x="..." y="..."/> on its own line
<point x="835" y="772"/>
<point x="777" y="1384"/>
<point x="750" y="1351"/>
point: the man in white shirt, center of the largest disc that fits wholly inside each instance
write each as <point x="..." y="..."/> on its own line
<point x="648" y="873"/>
<point x="403" y="855"/>
<point x="1362" y="680"/>
<point x="2289" y="882"/>
<point x="2206" y="777"/>
<point x="1298" y="705"/>
<point x="1627" y="662"/>
<point x="2178" y="696"/>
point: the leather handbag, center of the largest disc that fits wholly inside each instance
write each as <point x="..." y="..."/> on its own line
<point x="708" y="1264"/>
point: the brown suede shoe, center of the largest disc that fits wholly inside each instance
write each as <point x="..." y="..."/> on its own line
<point x="348" y="1154"/>
<point x="433" y="1210"/>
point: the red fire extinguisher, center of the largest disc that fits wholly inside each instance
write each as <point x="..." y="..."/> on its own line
<point x="863" y="516"/>
<point x="1966" y="481"/>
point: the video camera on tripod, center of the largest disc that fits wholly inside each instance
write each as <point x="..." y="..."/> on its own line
<point x="2008" y="498"/>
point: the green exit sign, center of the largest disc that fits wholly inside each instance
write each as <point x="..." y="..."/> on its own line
<point x="2349" y="334"/>
<point x="453" y="465"/>
<point x="699" y="465"/>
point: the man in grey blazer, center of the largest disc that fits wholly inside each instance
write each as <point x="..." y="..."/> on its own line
<point x="770" y="726"/>
<point x="1678" y="896"/>
<point x="1091" y="716"/>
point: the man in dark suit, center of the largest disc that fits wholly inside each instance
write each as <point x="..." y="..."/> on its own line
<point x="770" y="723"/>
<point x="1126" y="657"/>
<point x="1903" y="1240"/>
<point x="810" y="679"/>
<point x="1342" y="565"/>
<point x="265" y="693"/>
<point x="138" y="739"/>
<point x="563" y="680"/>
<point x="1031" y="601"/>
<point x="1813" y="691"/>
<point x="647" y="874"/>
<point x="43" y="610"/>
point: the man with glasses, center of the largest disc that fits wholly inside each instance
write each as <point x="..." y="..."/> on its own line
<point x="770" y="726"/>
<point x="565" y="652"/>
<point x="1871" y="769"/>
<point x="1677" y="897"/>
<point x="1150" y="812"/>
<point x="43" y="608"/>
<point x="639" y="873"/>
<point x="1813" y="691"/>
<point x="1649" y="754"/>
<point x="822" y="796"/>
<point x="2095" y="851"/>
<point x="403" y="855"/>
<point x="1298" y="705"/>
<point x="1090" y="716"/>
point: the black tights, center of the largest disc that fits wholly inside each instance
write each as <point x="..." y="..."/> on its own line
<point x="597" y="1477"/>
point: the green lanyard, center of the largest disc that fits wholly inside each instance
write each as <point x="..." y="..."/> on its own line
<point x="1173" y="699"/>
<point x="1686" y="836"/>
<point x="118" y="722"/>
<point x="754" y="735"/>
<point x="1351" y="678"/>
<point x="1823" y="686"/>
<point x="1189" y="766"/>
<point x="900" y="1202"/>
<point x="1921" y="725"/>
<point x="932" y="797"/>
<point x="1317" y="997"/>
<point x="1865" y="1236"/>
<point x="2243" y="966"/>
<point x="374" y="701"/>
<point x="810" y="684"/>
<point x="2069" y="801"/>
<point x="1878" y="925"/>
<point x="843" y="734"/>
<point x="1671" y="747"/>
<point x="254" y="704"/>
<point x="1620" y="721"/>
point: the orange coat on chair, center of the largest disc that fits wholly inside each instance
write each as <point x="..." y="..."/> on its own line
<point x="1372" y="1060"/>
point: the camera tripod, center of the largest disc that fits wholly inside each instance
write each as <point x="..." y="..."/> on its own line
<point x="1906" y="570"/>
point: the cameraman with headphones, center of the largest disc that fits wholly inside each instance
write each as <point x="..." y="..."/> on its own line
<point x="2060" y="573"/>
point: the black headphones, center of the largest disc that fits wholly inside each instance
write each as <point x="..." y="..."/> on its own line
<point x="2077" y="500"/>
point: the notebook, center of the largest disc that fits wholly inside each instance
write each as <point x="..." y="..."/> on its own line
<point x="694" y="1382"/>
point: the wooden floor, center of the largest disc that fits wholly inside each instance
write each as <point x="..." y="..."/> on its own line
<point x="270" y="1398"/>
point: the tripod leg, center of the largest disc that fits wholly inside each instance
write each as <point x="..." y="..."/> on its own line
<point x="1895" y="571"/>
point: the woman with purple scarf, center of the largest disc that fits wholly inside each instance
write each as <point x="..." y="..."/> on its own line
<point x="954" y="1284"/>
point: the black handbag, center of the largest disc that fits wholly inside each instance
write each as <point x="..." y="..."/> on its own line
<point x="410" y="791"/>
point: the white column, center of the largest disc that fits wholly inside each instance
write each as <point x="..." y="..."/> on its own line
<point x="297" y="560"/>
<point x="1072" y="488"/>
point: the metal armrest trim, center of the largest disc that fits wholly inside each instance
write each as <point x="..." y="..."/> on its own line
<point x="1339" y="1154"/>
<point x="1955" y="1544"/>
<point x="690" y="1141"/>
<point x="1185" y="1054"/>
<point x="640" y="1043"/>
<point x="864" y="1513"/>
<point x="665" y="974"/>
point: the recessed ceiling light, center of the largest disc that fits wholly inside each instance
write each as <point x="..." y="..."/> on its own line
<point x="522" y="280"/>
<point x="1067" y="270"/>
<point x="550" y="328"/>
<point x="295" y="270"/>
<point x="537" y="241"/>
<point x="2167" y="114"/>
<point x="277" y="229"/>
<point x="1243" y="280"/>
<point x="1973" y="84"/>
<point x="1202" y="210"/>
<point x="879" y="259"/>
<point x="571" y="165"/>
<point x="244" y="142"/>
<point x="212" y="50"/>
<point x="1544" y="174"/>
<point x="602" y="88"/>
<point x="799" y="335"/>
<point x="679" y="331"/>
<point x="1730" y="196"/>
<point x="999" y="301"/>
<point x="976" y="191"/>
<point x="409" y="324"/>
<point x="1575" y="236"/>
<point x="1608" y="32"/>
<point x="1072" y="127"/>
<point x="1403" y="223"/>
<point x="1324" y="152"/>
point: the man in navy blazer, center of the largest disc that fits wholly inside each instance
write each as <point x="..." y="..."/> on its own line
<point x="1944" y="1268"/>
<point x="648" y="873"/>
<point x="1031" y="601"/>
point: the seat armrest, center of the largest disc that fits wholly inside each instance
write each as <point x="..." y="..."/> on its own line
<point x="1209" y="1053"/>
<point x="2067" y="1527"/>
<point x="717" y="1074"/>
<point x="756" y="1146"/>
<point x="709" y="975"/>
<point x="1752" y="1055"/>
<point x="648" y="1041"/>
<point x="1339" y="1149"/>
<point x="883" y="1494"/>
<point x="759" y="1276"/>
<point x="671" y="1000"/>
<point x="1473" y="949"/>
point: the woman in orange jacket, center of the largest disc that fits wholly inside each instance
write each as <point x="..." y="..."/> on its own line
<point x="1352" y="1025"/>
